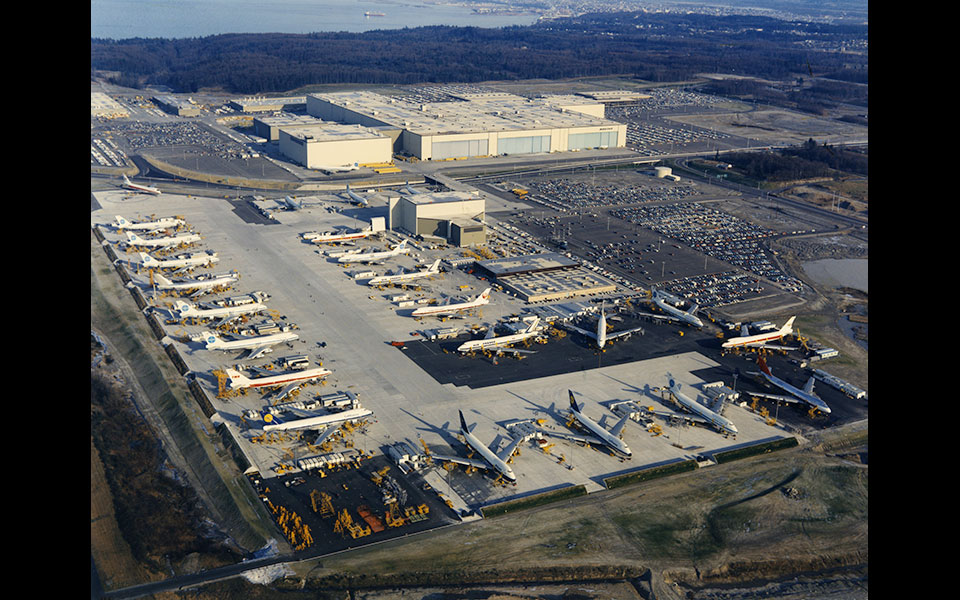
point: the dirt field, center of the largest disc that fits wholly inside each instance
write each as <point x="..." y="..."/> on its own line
<point x="775" y="126"/>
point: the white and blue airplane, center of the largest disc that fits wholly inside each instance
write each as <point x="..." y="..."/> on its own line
<point x="700" y="412"/>
<point x="162" y="223"/>
<point x="610" y="439"/>
<point x="367" y="257"/>
<point x="135" y="240"/>
<point x="797" y="395"/>
<point x="600" y="335"/>
<point x="664" y="302"/>
<point x="495" y="461"/>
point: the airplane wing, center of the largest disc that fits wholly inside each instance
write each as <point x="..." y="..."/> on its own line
<point x="589" y="334"/>
<point x="744" y="331"/>
<point x="509" y="449"/>
<point x="260" y="351"/>
<point x="613" y="336"/>
<point x="585" y="439"/>
<point x="472" y="462"/>
<point x="808" y="386"/>
<point x="508" y="350"/>
<point x="778" y="397"/>
<point x="325" y="434"/>
<point x="618" y="428"/>
<point x="655" y="316"/>
<point x="666" y="414"/>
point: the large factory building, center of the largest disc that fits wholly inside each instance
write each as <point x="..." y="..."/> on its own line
<point x="334" y="145"/>
<point x="454" y="216"/>
<point x="475" y="125"/>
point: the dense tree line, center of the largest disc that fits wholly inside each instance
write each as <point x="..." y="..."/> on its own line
<point x="807" y="161"/>
<point x="656" y="47"/>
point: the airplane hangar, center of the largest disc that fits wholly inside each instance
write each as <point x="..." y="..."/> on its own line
<point x="474" y="125"/>
<point x="334" y="144"/>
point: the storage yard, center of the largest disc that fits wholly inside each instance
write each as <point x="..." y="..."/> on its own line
<point x="407" y="372"/>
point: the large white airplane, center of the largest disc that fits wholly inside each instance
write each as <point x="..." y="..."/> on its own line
<point x="806" y="395"/>
<point x="336" y="236"/>
<point x="405" y="277"/>
<point x="184" y="310"/>
<point x="610" y="439"/>
<point x="325" y="424"/>
<point x="703" y="414"/>
<point x="259" y="345"/>
<point x="127" y="184"/>
<point x="496" y="461"/>
<point x="663" y="302"/>
<point x="340" y="169"/>
<point x="360" y="200"/>
<point x="239" y="381"/>
<point x="163" y="283"/>
<point x="447" y="309"/>
<point x="502" y="343"/>
<point x="367" y="257"/>
<point x="600" y="335"/>
<point x="186" y="238"/>
<point x="759" y="340"/>
<point x="193" y="259"/>
<point x="162" y="223"/>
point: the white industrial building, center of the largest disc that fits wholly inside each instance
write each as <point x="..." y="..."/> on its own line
<point x="102" y="105"/>
<point x="483" y="124"/>
<point x="455" y="216"/>
<point x="334" y="145"/>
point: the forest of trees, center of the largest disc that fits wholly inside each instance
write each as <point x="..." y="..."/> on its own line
<point x="807" y="161"/>
<point x="649" y="46"/>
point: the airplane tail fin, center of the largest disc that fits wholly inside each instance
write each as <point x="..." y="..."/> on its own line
<point x="132" y="238"/>
<point x="146" y="259"/>
<point x="533" y="324"/>
<point x="161" y="279"/>
<point x="181" y="307"/>
<point x="671" y="380"/>
<point x="435" y="267"/>
<point x="463" y="423"/>
<point x="762" y="363"/>
<point x="787" y="328"/>
<point x="485" y="294"/>
<point x="402" y="245"/>
<point x="211" y="341"/>
<point x="120" y="221"/>
<point x="269" y="418"/>
<point x="573" y="402"/>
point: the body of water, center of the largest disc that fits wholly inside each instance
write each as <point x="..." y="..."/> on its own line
<point x="123" y="19"/>
<point x="846" y="272"/>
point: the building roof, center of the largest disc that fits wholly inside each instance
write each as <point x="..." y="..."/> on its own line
<point x="330" y="132"/>
<point x="479" y="113"/>
<point x="438" y="197"/>
<point x="529" y="263"/>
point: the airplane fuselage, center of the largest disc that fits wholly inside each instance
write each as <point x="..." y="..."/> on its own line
<point x="165" y="241"/>
<point x="241" y="382"/>
<point x="320" y="421"/>
<point x="676" y="312"/>
<point x="215" y="343"/>
<point x="810" y="399"/>
<point x="197" y="284"/>
<point x="226" y="311"/>
<point x="720" y="422"/>
<point x="608" y="439"/>
<point x="495" y="342"/>
<point x="194" y="260"/>
<point x="488" y="455"/>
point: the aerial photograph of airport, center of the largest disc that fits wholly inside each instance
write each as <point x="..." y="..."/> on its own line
<point x="495" y="299"/>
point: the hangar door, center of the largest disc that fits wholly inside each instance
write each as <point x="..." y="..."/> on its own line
<point x="524" y="145"/>
<point x="459" y="149"/>
<point x="599" y="139"/>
